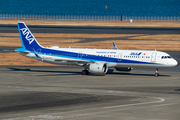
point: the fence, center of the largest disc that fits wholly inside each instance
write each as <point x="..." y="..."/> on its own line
<point x="99" y="18"/>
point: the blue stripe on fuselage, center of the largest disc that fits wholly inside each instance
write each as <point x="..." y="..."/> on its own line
<point x="85" y="57"/>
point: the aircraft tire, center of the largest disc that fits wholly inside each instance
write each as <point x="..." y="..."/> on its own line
<point x="85" y="72"/>
<point x="156" y="74"/>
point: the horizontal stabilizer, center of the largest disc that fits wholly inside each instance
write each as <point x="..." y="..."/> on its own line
<point x="22" y="50"/>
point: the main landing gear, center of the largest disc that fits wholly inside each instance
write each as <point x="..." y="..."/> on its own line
<point x="156" y="73"/>
<point x="85" y="72"/>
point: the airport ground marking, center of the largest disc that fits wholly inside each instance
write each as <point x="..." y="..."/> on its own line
<point x="13" y="83"/>
<point x="164" y="104"/>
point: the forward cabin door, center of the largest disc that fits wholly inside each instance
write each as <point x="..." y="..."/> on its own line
<point x="153" y="57"/>
<point x="119" y="56"/>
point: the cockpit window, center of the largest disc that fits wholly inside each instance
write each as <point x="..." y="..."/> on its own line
<point x="169" y="56"/>
<point x="166" y="57"/>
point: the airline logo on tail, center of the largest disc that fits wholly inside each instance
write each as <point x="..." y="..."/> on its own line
<point x="27" y="35"/>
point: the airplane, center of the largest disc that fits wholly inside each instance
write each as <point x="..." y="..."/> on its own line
<point x="96" y="61"/>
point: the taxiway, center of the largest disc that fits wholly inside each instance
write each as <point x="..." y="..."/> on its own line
<point x="63" y="93"/>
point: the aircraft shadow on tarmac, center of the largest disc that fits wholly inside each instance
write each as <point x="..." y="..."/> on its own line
<point x="48" y="71"/>
<point x="79" y="73"/>
<point x="139" y="74"/>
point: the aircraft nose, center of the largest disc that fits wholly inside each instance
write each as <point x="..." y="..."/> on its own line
<point x="174" y="62"/>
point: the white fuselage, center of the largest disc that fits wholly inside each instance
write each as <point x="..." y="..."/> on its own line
<point x="114" y="58"/>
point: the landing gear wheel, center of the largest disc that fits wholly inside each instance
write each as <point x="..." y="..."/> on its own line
<point x="85" y="72"/>
<point x="156" y="74"/>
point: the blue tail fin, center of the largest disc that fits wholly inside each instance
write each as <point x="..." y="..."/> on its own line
<point x="28" y="41"/>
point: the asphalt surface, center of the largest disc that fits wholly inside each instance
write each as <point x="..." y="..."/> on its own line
<point x="91" y="29"/>
<point x="54" y="93"/>
<point x="7" y="49"/>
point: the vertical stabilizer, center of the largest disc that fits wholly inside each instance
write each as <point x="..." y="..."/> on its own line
<point x="28" y="41"/>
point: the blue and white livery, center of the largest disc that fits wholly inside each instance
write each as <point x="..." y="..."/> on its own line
<point x="93" y="60"/>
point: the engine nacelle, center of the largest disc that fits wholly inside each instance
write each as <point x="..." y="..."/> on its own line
<point x="98" y="68"/>
<point x="123" y="69"/>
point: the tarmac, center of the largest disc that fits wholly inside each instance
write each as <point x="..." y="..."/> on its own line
<point x="91" y="29"/>
<point x="54" y="93"/>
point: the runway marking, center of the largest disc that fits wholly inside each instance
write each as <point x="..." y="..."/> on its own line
<point x="83" y="110"/>
<point x="13" y="83"/>
<point x="164" y="104"/>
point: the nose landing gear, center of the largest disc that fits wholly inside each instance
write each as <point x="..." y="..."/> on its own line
<point x="156" y="73"/>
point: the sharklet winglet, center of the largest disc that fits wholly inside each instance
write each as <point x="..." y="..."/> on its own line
<point x="115" y="47"/>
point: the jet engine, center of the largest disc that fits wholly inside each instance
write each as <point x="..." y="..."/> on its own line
<point x="98" y="68"/>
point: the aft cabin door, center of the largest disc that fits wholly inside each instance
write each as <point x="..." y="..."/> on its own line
<point x="119" y="56"/>
<point x="153" y="57"/>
